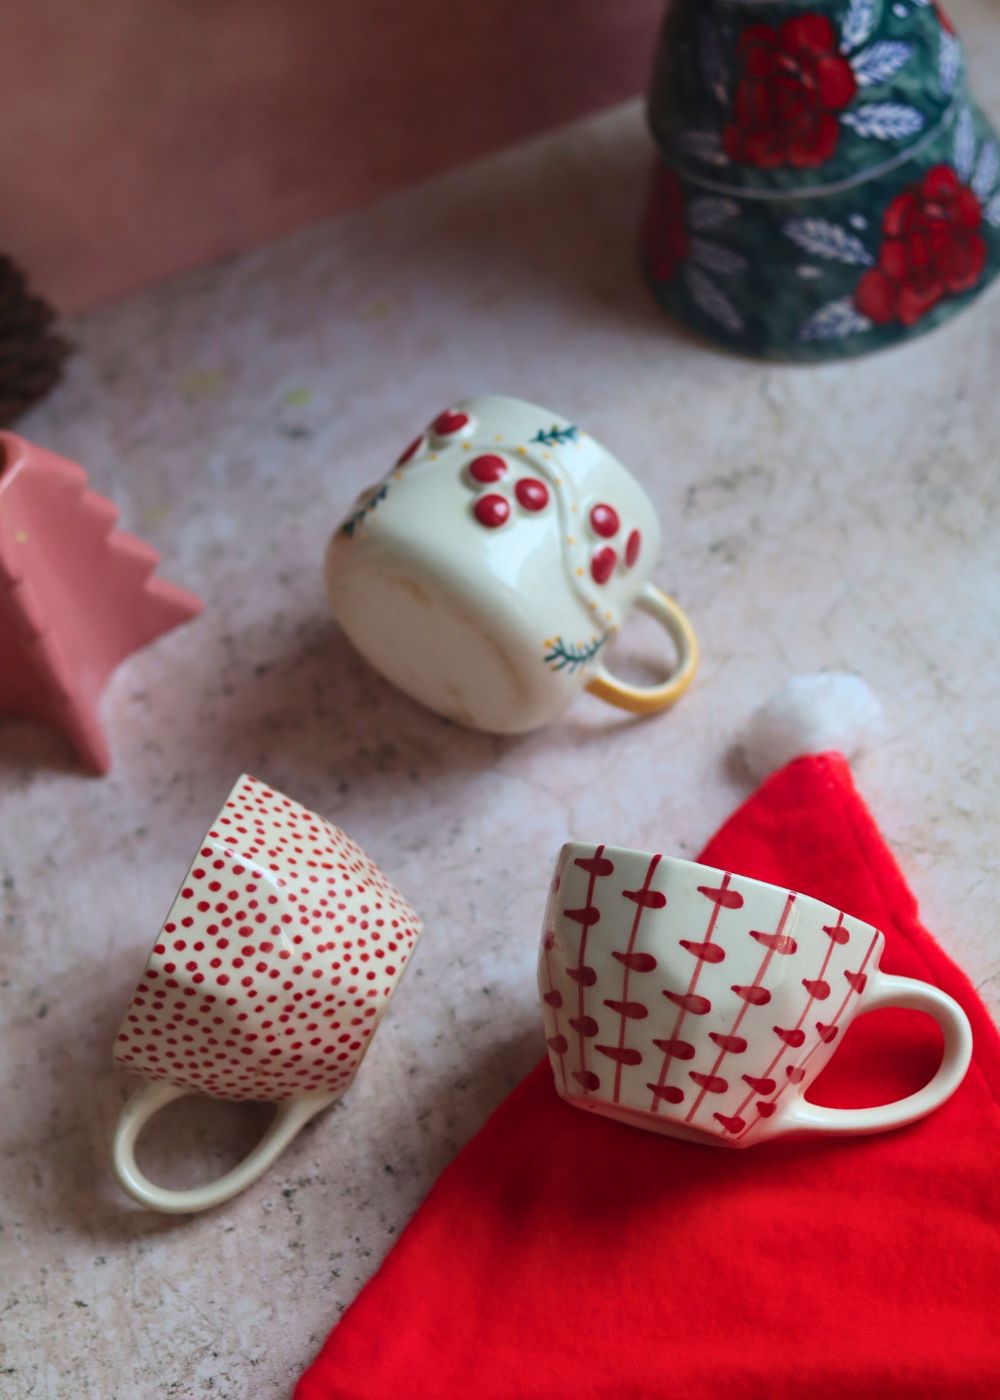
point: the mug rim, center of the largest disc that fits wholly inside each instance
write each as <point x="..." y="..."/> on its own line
<point x="682" y="863"/>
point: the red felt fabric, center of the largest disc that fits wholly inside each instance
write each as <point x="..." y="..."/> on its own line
<point x="562" y="1255"/>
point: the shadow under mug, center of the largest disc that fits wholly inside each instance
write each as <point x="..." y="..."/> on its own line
<point x="486" y="573"/>
<point x="267" y="981"/>
<point x="702" y="1004"/>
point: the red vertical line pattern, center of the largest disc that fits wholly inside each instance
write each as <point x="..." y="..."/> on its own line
<point x="761" y="971"/>
<point x="820" y="1041"/>
<point x="640" y="909"/>
<point x="682" y="1011"/>
<point x="585" y="917"/>
<point x="555" y="1004"/>
<point x="800" y="1022"/>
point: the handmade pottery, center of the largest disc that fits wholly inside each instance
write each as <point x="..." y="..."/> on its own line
<point x="825" y="183"/>
<point x="487" y="571"/>
<point x="701" y="1004"/>
<point x="267" y="981"/>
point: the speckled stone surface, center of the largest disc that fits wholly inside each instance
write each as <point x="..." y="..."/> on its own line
<point x="841" y="517"/>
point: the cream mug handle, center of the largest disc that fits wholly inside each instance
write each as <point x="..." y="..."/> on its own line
<point x="647" y="699"/>
<point x="291" y="1117"/>
<point x="909" y="995"/>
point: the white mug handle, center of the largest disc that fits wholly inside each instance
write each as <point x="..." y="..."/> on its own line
<point x="647" y="699"/>
<point x="801" y="1116"/>
<point x="291" y="1116"/>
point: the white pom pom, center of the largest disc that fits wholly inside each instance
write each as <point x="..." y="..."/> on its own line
<point x="811" y="714"/>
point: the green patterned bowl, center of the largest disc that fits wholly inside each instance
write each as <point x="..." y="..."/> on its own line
<point x="825" y="184"/>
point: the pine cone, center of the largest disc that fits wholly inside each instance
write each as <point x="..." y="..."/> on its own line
<point x="31" y="353"/>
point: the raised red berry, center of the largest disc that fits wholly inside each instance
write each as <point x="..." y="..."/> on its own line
<point x="410" y="451"/>
<point x="487" y="468"/>
<point x="531" y="493"/>
<point x="604" y="521"/>
<point x="492" y="510"/>
<point x="602" y="565"/>
<point x="449" y="422"/>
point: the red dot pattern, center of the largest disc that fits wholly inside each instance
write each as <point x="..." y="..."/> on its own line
<point x="276" y="961"/>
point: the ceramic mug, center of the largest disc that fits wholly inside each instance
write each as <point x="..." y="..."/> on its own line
<point x="825" y="183"/>
<point x="267" y="981"/>
<point x="702" y="1004"/>
<point x="487" y="572"/>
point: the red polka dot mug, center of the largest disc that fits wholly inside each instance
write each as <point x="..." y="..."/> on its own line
<point x="267" y="981"/>
<point x="487" y="572"/>
<point x="701" y="1004"/>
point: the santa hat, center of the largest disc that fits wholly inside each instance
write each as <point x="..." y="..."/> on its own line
<point x="564" y="1255"/>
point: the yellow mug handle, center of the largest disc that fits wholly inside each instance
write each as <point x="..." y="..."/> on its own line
<point x="648" y="699"/>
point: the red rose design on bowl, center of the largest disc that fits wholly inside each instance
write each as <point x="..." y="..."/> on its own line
<point x="664" y="232"/>
<point x="932" y="249"/>
<point x="794" y="80"/>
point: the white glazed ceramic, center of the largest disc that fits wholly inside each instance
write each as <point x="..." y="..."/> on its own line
<point x="701" y="1004"/>
<point x="267" y="981"/>
<point x="485" y="574"/>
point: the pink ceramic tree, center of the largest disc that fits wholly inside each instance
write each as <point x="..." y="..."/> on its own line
<point x="76" y="595"/>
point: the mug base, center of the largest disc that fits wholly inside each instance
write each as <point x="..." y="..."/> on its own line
<point x="434" y="643"/>
<point x="656" y="1123"/>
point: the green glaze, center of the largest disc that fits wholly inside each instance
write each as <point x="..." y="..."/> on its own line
<point x="792" y="215"/>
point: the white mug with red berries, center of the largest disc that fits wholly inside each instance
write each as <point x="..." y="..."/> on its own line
<point x="701" y="1004"/>
<point x="485" y="574"/>
<point x="267" y="981"/>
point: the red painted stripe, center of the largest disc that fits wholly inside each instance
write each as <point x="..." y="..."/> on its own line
<point x="775" y="946"/>
<point x="594" y="865"/>
<point x="550" y="996"/>
<point x="721" y="897"/>
<point x="779" y="1056"/>
<point x="642" y="903"/>
<point x="800" y="1067"/>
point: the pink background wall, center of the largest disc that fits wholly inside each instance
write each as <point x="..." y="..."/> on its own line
<point x="141" y="137"/>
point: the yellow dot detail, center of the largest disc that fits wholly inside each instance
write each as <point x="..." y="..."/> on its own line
<point x="579" y="572"/>
<point x="522" y="451"/>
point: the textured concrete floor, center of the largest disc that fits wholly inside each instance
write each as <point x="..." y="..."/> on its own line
<point x="842" y="517"/>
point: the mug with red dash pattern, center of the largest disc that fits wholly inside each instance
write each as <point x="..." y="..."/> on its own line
<point x="702" y="1004"/>
<point x="267" y="981"/>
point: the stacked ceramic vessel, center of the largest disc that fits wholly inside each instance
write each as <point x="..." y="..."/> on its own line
<point x="825" y="183"/>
